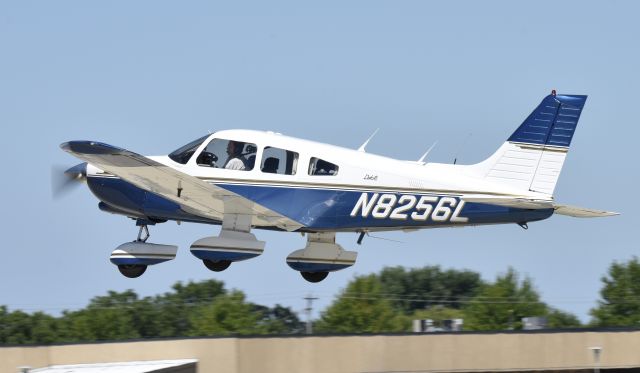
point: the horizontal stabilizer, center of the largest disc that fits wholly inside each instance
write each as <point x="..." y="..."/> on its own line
<point x="535" y="204"/>
<point x="580" y="212"/>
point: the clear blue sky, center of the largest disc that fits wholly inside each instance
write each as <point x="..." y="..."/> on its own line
<point x="152" y="75"/>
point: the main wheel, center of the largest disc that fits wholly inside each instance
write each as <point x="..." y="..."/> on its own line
<point x="314" y="276"/>
<point x="132" y="270"/>
<point x="216" y="265"/>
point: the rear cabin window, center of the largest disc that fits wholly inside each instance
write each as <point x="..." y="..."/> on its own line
<point x="319" y="167"/>
<point x="228" y="154"/>
<point x="279" y="161"/>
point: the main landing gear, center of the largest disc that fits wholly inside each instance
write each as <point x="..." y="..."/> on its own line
<point x="132" y="258"/>
<point x="233" y="244"/>
<point x="320" y="256"/>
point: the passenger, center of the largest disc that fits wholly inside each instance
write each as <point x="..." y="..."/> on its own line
<point x="234" y="150"/>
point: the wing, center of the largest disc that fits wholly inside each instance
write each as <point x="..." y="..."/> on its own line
<point x="192" y="194"/>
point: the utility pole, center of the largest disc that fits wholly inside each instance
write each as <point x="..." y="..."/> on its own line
<point x="309" y="298"/>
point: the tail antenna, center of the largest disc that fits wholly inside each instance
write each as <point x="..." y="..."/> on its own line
<point x="464" y="142"/>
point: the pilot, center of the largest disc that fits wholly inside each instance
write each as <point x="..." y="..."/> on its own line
<point x="234" y="150"/>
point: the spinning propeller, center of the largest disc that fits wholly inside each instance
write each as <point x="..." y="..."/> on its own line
<point x="63" y="181"/>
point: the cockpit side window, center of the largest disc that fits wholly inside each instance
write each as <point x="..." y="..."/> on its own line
<point x="319" y="167"/>
<point x="184" y="153"/>
<point x="279" y="161"/>
<point x="228" y="154"/>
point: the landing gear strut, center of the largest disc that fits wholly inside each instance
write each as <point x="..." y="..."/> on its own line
<point x="143" y="227"/>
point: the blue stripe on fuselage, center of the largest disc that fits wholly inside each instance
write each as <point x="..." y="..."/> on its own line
<point x="332" y="208"/>
<point x="316" y="209"/>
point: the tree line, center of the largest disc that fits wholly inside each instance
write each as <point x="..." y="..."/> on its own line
<point x="195" y="309"/>
<point x="384" y="302"/>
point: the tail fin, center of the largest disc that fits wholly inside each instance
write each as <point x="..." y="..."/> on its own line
<point x="532" y="158"/>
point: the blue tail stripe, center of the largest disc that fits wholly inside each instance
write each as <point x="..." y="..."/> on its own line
<point x="553" y="122"/>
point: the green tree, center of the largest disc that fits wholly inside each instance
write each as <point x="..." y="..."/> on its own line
<point x="174" y="309"/>
<point x="620" y="303"/>
<point x="18" y="327"/>
<point x="227" y="314"/>
<point x="203" y="308"/>
<point x="362" y="308"/>
<point x="278" y="320"/>
<point x="109" y="317"/>
<point x="557" y="319"/>
<point x="420" y="288"/>
<point x="503" y="304"/>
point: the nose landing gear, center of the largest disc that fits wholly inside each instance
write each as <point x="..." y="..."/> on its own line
<point x="132" y="258"/>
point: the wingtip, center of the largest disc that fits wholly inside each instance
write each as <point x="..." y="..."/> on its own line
<point x="90" y="147"/>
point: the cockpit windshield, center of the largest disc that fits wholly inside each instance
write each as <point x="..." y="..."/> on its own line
<point x="184" y="153"/>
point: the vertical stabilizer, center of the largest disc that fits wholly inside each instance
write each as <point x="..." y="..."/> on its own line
<point x="532" y="158"/>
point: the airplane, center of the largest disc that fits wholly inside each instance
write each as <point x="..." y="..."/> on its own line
<point x="247" y="179"/>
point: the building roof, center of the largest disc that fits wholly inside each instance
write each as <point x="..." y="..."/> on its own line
<point x="123" y="367"/>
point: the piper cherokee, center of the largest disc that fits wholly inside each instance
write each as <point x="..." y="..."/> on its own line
<point x="245" y="179"/>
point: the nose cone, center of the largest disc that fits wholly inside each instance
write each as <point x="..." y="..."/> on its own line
<point x="77" y="172"/>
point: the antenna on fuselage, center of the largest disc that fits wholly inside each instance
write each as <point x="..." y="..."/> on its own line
<point x="363" y="146"/>
<point x="424" y="156"/>
<point x="455" y="159"/>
